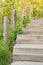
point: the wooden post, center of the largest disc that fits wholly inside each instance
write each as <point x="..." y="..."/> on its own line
<point x="14" y="19"/>
<point x="6" y="29"/>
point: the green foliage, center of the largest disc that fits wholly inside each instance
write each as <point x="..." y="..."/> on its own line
<point x="12" y="38"/>
<point x="6" y="8"/>
<point x="5" y="54"/>
<point x="34" y="12"/>
<point x="39" y="12"/>
<point x="11" y="41"/>
<point x="13" y="34"/>
<point x="26" y="20"/>
<point x="1" y="33"/>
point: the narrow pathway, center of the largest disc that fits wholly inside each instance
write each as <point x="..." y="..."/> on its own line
<point x="29" y="45"/>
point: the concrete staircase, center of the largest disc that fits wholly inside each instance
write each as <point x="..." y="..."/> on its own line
<point x="29" y="45"/>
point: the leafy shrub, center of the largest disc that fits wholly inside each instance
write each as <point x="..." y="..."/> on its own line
<point x="1" y="33"/>
<point x="26" y="20"/>
<point x="11" y="41"/>
<point x="34" y="12"/>
<point x="5" y="54"/>
<point x="12" y="37"/>
<point x="39" y="14"/>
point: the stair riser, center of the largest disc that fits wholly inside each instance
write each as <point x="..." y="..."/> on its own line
<point x="30" y="39"/>
<point x="26" y="63"/>
<point x="32" y="32"/>
<point x="33" y="27"/>
<point x="28" y="58"/>
<point x="24" y="50"/>
<point x="24" y="31"/>
<point x="28" y="42"/>
<point x="36" y="24"/>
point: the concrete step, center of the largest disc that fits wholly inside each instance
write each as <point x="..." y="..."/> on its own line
<point x="32" y="32"/>
<point x="28" y="48"/>
<point x="27" y="57"/>
<point x="27" y="31"/>
<point x="29" y="42"/>
<point x="28" y="52"/>
<point x="34" y="28"/>
<point x="26" y="63"/>
<point x="29" y="38"/>
<point x="30" y="29"/>
<point x="40" y="20"/>
<point x="35" y="24"/>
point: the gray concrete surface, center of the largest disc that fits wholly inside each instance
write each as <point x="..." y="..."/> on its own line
<point x="26" y="63"/>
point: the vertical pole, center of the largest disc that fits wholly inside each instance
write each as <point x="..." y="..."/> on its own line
<point x="6" y="29"/>
<point x="14" y="19"/>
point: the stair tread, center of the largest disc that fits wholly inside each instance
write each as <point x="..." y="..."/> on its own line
<point x="28" y="46"/>
<point x="26" y="63"/>
<point x="32" y="30"/>
<point x="27" y="35"/>
<point x="26" y="54"/>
